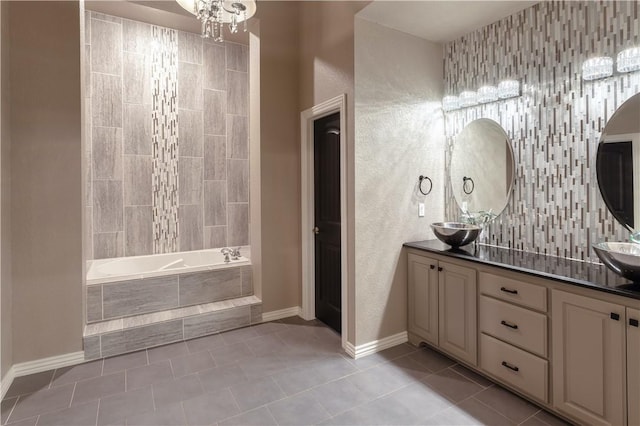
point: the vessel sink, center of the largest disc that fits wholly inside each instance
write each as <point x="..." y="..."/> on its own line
<point x="456" y="234"/>
<point x="621" y="258"/>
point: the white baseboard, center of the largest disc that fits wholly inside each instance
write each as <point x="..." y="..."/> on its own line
<point x="365" y="349"/>
<point x="39" y="365"/>
<point x="282" y="313"/>
<point x="6" y="382"/>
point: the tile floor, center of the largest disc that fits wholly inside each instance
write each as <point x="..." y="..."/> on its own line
<point x="288" y="372"/>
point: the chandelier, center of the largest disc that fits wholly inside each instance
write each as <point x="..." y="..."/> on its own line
<point x="213" y="14"/>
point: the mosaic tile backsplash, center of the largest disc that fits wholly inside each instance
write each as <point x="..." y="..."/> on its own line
<point x="555" y="125"/>
<point x="167" y="131"/>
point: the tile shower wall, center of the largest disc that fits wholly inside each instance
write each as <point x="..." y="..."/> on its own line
<point x="555" y="126"/>
<point x="168" y="152"/>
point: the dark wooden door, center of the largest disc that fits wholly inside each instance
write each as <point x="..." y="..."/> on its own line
<point x="615" y="177"/>
<point x="328" y="276"/>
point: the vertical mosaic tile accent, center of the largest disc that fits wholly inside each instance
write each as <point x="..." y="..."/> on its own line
<point x="161" y="121"/>
<point x="164" y="137"/>
<point x="555" y="126"/>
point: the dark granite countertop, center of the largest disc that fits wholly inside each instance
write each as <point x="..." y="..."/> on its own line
<point x="574" y="272"/>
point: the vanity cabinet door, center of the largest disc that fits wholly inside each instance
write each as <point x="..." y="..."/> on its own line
<point x="633" y="366"/>
<point x="423" y="298"/>
<point x="588" y="337"/>
<point x="458" y="330"/>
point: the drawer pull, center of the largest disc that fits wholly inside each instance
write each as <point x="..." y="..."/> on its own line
<point x="634" y="322"/>
<point x="509" y="366"/>
<point x="508" y="324"/>
<point x="615" y="316"/>
<point x="432" y="266"/>
<point x="440" y="268"/>
<point x="508" y="290"/>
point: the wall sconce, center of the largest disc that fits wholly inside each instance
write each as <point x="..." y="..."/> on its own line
<point x="468" y="99"/>
<point x="487" y="94"/>
<point x="506" y="89"/>
<point x="628" y="60"/>
<point x="450" y="103"/>
<point x="595" y="68"/>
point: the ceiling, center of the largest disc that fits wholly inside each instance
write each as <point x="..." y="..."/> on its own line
<point x="440" y="21"/>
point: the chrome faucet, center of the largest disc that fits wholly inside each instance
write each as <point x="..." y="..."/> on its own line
<point x="230" y="254"/>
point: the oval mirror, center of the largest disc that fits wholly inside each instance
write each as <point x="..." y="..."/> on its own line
<point x="618" y="164"/>
<point x="482" y="170"/>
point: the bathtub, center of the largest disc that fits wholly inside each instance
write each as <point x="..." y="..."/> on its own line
<point x="137" y="267"/>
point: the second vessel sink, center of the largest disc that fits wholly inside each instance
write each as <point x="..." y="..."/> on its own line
<point x="456" y="234"/>
<point x="621" y="258"/>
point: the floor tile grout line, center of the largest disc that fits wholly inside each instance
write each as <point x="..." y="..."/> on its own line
<point x="471" y="379"/>
<point x="492" y="408"/>
<point x="73" y="393"/>
<point x="98" y="412"/>
<point x="530" y="417"/>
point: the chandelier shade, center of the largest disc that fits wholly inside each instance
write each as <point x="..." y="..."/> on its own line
<point x="213" y="14"/>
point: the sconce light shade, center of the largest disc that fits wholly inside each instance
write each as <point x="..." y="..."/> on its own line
<point x="508" y="89"/>
<point x="628" y="60"/>
<point x="487" y="94"/>
<point x="595" y="68"/>
<point x="468" y="99"/>
<point x="450" y="103"/>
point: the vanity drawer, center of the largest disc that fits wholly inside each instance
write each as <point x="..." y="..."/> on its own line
<point x="514" y="291"/>
<point x="513" y="324"/>
<point x="514" y="366"/>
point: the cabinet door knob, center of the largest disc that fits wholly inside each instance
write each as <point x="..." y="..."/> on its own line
<point x="509" y="366"/>
<point x="508" y="290"/>
<point x="615" y="316"/>
<point x="508" y="324"/>
<point x="633" y="322"/>
<point x="432" y="266"/>
<point x="439" y="268"/>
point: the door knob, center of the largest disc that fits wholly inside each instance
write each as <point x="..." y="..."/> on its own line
<point x="316" y="230"/>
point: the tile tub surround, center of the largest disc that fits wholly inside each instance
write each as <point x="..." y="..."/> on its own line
<point x="123" y="335"/>
<point x="285" y="372"/>
<point x="555" y="126"/>
<point x="139" y="296"/>
<point x="125" y="315"/>
<point x="167" y="150"/>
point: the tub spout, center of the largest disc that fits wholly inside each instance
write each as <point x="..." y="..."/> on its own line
<point x="227" y="253"/>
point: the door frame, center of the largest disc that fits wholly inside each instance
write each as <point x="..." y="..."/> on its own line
<point x="307" y="119"/>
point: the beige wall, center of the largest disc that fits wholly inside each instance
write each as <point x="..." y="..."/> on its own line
<point x="399" y="135"/>
<point x="280" y="155"/>
<point x="326" y="71"/>
<point x="6" y="347"/>
<point x="46" y="200"/>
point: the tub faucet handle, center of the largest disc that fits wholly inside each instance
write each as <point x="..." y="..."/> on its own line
<point x="235" y="253"/>
<point x="226" y="252"/>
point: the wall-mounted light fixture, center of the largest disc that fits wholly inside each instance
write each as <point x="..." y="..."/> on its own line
<point x="506" y="89"/>
<point x="487" y="94"/>
<point x="450" y="103"/>
<point x="468" y="98"/>
<point x="595" y="68"/>
<point x="628" y="60"/>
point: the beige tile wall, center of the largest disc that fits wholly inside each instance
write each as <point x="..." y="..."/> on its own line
<point x="212" y="149"/>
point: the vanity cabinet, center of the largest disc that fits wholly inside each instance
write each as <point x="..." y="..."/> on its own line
<point x="423" y="298"/>
<point x="442" y="306"/>
<point x="569" y="343"/>
<point x="513" y="333"/>
<point x="589" y="359"/>
<point x="633" y="366"/>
